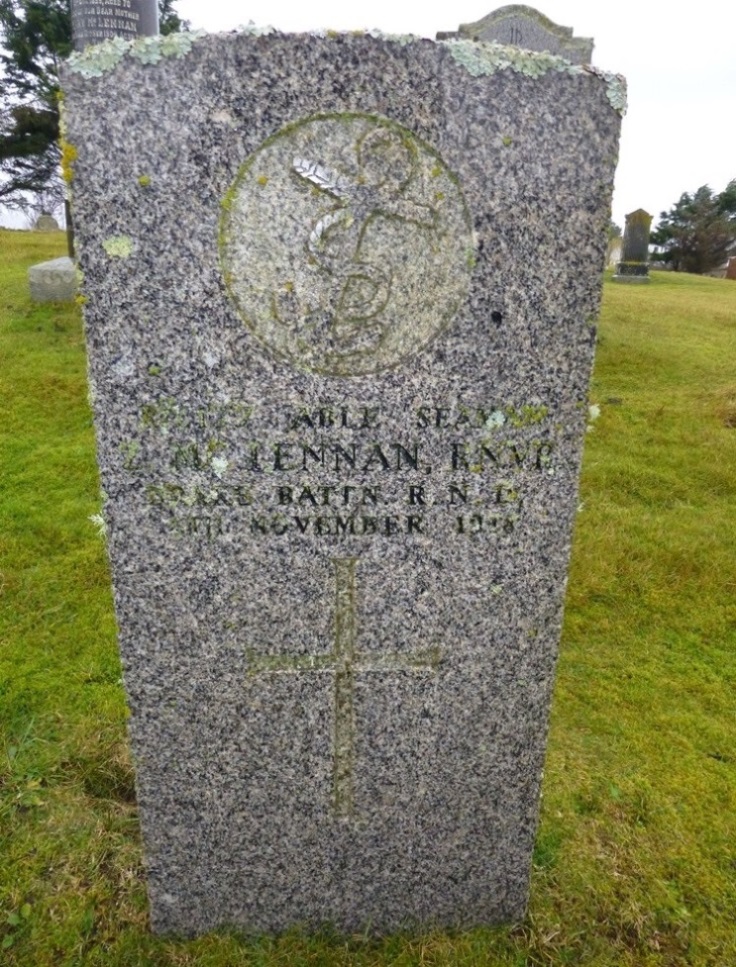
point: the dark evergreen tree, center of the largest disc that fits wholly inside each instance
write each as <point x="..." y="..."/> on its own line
<point x="699" y="231"/>
<point x="35" y="35"/>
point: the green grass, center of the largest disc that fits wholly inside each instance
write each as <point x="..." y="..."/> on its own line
<point x="635" y="862"/>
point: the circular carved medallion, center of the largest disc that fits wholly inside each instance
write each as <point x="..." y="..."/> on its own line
<point x="346" y="244"/>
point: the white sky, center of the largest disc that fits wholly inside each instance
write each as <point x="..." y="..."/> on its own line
<point x="679" y="61"/>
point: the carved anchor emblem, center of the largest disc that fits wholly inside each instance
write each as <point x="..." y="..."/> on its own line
<point x="346" y="244"/>
<point x="352" y="319"/>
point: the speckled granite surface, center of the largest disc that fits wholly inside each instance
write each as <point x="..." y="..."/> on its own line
<point x="341" y="299"/>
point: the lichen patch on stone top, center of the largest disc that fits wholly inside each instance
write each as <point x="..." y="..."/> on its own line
<point x="480" y="59"/>
<point x="401" y="39"/>
<point x="98" y="59"/>
<point x="615" y="87"/>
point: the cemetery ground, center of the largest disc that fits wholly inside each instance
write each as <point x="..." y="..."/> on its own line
<point x="635" y="862"/>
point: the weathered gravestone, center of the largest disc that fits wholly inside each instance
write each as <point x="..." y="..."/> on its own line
<point x="731" y="268"/>
<point x="521" y="26"/>
<point x="341" y="303"/>
<point x="634" y="264"/>
<point x="46" y="223"/>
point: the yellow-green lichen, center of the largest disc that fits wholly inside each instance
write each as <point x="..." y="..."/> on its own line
<point x="118" y="246"/>
<point x="68" y="157"/>
<point x="528" y="415"/>
<point x="144" y="181"/>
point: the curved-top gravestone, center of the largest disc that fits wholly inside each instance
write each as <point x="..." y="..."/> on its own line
<point x="46" y="223"/>
<point x="340" y="307"/>
<point x="521" y="26"/>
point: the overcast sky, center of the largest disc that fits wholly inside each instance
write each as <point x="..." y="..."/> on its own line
<point x="679" y="61"/>
<point x="680" y="128"/>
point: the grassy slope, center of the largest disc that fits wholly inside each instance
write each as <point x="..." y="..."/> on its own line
<point x="641" y="785"/>
<point x="636" y="856"/>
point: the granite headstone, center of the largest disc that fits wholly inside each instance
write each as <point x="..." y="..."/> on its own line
<point x="520" y="26"/>
<point x="634" y="264"/>
<point x="341" y="300"/>
<point x="731" y="267"/>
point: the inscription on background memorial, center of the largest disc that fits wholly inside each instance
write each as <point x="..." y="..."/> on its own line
<point x="94" y="21"/>
<point x="340" y="314"/>
<point x="520" y="26"/>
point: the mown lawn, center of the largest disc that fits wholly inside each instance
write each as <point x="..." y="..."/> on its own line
<point x="636" y="856"/>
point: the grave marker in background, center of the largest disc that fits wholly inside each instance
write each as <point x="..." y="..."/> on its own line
<point x="46" y="223"/>
<point x="521" y="26"/>
<point x="94" y="21"/>
<point x="634" y="264"/>
<point x="340" y="312"/>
